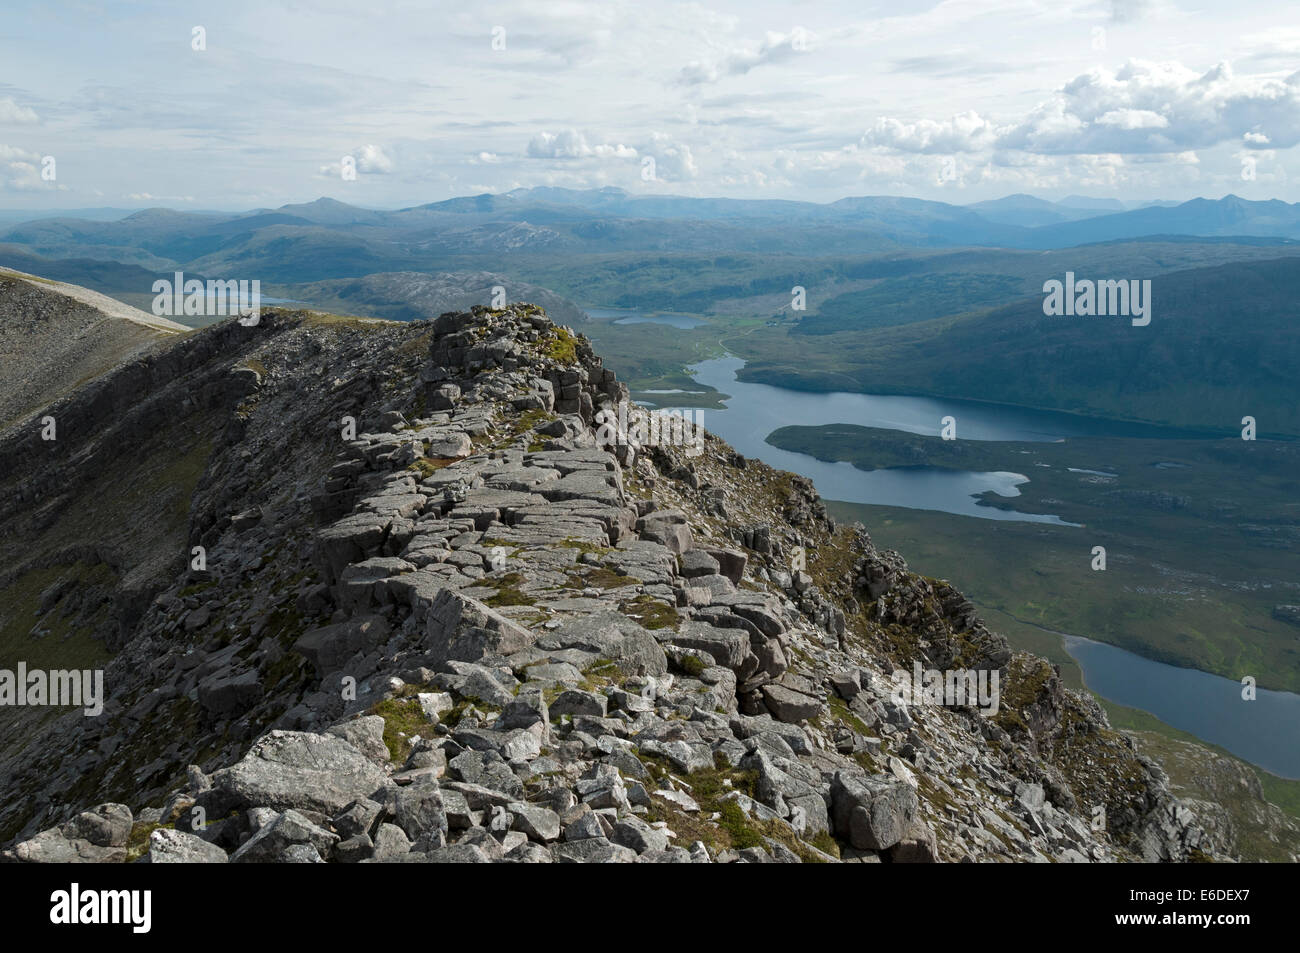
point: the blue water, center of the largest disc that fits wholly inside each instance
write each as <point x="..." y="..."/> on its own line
<point x="1265" y="731"/>
<point x="618" y="316"/>
<point x="919" y="415"/>
<point x="755" y="410"/>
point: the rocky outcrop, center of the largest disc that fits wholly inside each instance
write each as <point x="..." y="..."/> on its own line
<point x="465" y="631"/>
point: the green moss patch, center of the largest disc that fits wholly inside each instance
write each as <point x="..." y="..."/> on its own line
<point x="651" y="613"/>
<point x="560" y="346"/>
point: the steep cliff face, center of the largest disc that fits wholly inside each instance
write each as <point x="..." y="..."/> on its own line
<point x="441" y="618"/>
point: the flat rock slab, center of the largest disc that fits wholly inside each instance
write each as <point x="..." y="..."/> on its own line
<point x="301" y="771"/>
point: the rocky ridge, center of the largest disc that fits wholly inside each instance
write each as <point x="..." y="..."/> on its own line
<point x="466" y="632"/>
<point x="56" y="336"/>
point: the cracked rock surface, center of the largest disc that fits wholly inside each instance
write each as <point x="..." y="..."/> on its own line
<point x="461" y="631"/>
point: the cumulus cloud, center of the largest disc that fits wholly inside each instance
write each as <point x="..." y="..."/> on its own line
<point x="367" y="160"/>
<point x="775" y="48"/>
<point x="674" y="161"/>
<point x="670" y="159"/>
<point x="1160" y="107"/>
<point x="968" y="132"/>
<point x="13" y="114"/>
<point x="571" y="144"/>
<point x="20" y="170"/>
<point x="372" y="159"/>
<point x="1141" y="108"/>
<point x="1133" y="119"/>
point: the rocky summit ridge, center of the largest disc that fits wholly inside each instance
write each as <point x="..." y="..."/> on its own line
<point x="437" y="622"/>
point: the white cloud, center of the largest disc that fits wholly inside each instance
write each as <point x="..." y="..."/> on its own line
<point x="775" y="48"/>
<point x="1160" y="107"/>
<point x="618" y="151"/>
<point x="1013" y="90"/>
<point x="371" y="158"/>
<point x="13" y="114"/>
<point x="366" y="160"/>
<point x="1142" y="108"/>
<point x="20" y="170"/>
<point x="1133" y="119"/>
<point x="968" y="132"/>
<point x="571" y="144"/>
<point x="674" y="161"/>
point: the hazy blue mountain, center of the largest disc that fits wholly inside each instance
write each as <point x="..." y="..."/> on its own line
<point x="1228" y="216"/>
<point x="1029" y="211"/>
<point x="328" y="238"/>
<point x="1093" y="204"/>
<point x="12" y="216"/>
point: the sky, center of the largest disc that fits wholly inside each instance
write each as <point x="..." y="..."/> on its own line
<point x="239" y="105"/>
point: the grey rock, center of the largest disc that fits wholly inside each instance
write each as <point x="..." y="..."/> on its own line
<point x="366" y="734"/>
<point x="168" y="846"/>
<point x="577" y="702"/>
<point x="271" y="843"/>
<point x="391" y="843"/>
<point x="419" y="811"/>
<point x="464" y="629"/>
<point x="539" y="823"/>
<point x="872" y="813"/>
<point x="301" y="771"/>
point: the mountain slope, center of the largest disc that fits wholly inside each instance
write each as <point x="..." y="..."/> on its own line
<point x="1222" y="344"/>
<point x="54" y="337"/>
<point x="467" y="632"/>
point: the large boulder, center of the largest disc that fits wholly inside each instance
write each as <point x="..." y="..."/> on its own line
<point x="459" y="628"/>
<point x="168" y="846"/>
<point x="97" y="836"/>
<point x="873" y="813"/>
<point x="613" y="636"/>
<point x="420" y="813"/>
<point x="729" y="647"/>
<point x="230" y="693"/>
<point x="790" y="705"/>
<point x="275" y="842"/>
<point x="917" y="846"/>
<point x="366" y="734"/>
<point x="666" y="527"/>
<point x="328" y="647"/>
<point x="297" y="770"/>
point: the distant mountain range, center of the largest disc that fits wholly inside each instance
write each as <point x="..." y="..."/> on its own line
<point x="904" y="293"/>
<point x="330" y="239"/>
<point x="1030" y="212"/>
